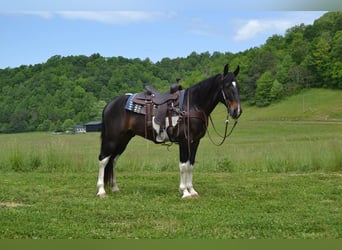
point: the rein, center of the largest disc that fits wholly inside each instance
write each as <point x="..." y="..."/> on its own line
<point x="225" y="136"/>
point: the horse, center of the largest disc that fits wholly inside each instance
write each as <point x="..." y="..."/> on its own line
<point x="120" y="125"/>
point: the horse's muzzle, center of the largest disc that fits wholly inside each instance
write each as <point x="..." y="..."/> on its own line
<point x="235" y="111"/>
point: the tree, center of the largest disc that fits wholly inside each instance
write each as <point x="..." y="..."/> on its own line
<point x="336" y="48"/>
<point x="322" y="60"/>
<point x="263" y="90"/>
<point x="283" y="69"/>
<point x="45" y="126"/>
<point x="96" y="111"/>
<point x="336" y="75"/>
<point x="68" y="124"/>
<point x="298" y="47"/>
<point x="336" y="60"/>
<point x="276" y="91"/>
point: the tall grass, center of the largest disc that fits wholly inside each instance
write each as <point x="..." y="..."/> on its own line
<point x="44" y="152"/>
<point x="253" y="147"/>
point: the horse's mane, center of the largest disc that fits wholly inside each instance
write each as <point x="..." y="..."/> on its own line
<point x="204" y="86"/>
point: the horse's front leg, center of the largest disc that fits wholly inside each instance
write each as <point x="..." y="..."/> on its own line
<point x="186" y="167"/>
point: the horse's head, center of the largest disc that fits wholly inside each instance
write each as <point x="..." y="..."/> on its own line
<point x="230" y="92"/>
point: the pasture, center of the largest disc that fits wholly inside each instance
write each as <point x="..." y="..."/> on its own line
<point x="274" y="178"/>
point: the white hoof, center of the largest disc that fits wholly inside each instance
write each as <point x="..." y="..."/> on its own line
<point x="101" y="195"/>
<point x="186" y="194"/>
<point x="193" y="193"/>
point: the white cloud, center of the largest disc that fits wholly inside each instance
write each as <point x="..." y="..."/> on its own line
<point x="42" y="14"/>
<point x="252" y="28"/>
<point x="114" y="17"/>
<point x="109" y="17"/>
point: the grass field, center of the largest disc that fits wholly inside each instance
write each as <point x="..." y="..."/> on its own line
<point x="279" y="176"/>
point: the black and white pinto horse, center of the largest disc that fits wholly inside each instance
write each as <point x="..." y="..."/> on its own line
<point x="120" y="125"/>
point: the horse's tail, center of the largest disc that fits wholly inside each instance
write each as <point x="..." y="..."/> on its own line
<point x="108" y="170"/>
<point x="103" y="128"/>
<point x="109" y="173"/>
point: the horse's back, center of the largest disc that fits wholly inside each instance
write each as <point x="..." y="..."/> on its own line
<point x="114" y="108"/>
<point x="113" y="115"/>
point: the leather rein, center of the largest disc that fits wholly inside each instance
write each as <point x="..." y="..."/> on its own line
<point x="226" y="134"/>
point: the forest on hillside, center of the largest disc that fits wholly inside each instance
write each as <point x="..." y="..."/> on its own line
<point x="70" y="90"/>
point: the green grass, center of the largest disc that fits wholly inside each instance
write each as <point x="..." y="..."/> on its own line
<point x="248" y="206"/>
<point x="274" y="178"/>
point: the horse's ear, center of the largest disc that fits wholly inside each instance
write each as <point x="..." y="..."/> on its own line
<point x="236" y="72"/>
<point x="226" y="68"/>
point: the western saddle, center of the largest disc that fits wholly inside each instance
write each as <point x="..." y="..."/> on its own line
<point x="160" y="106"/>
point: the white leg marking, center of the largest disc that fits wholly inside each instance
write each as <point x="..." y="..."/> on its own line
<point x="100" y="182"/>
<point x="184" y="180"/>
<point x="115" y="187"/>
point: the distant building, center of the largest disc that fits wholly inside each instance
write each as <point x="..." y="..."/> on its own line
<point x="93" y="126"/>
<point x="79" y="129"/>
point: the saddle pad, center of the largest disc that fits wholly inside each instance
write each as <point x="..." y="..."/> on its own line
<point x="131" y="106"/>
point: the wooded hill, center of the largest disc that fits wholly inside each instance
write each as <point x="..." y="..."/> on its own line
<point x="73" y="90"/>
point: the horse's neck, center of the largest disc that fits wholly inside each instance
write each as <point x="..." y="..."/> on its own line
<point x="204" y="96"/>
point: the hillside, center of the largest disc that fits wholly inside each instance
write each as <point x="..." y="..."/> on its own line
<point x="312" y="104"/>
<point x="65" y="91"/>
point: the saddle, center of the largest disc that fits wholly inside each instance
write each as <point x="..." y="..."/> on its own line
<point x="156" y="97"/>
<point x="158" y="105"/>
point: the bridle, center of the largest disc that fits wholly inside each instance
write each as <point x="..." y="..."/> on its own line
<point x="226" y="134"/>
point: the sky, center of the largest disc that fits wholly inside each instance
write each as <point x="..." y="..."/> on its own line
<point x="32" y="31"/>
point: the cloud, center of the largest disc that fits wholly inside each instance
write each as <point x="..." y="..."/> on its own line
<point x="252" y="28"/>
<point x="109" y="17"/>
<point x="114" y="17"/>
<point x="249" y="29"/>
<point x="41" y="14"/>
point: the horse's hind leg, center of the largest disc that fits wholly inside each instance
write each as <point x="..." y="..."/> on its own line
<point x="110" y="164"/>
<point x="110" y="152"/>
<point x="100" y="182"/>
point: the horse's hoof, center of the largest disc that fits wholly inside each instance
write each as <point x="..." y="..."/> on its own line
<point x="101" y="196"/>
<point x="187" y="195"/>
<point x="191" y="196"/>
<point x="194" y="196"/>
